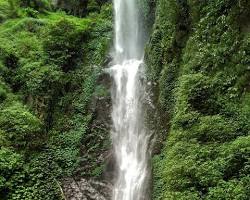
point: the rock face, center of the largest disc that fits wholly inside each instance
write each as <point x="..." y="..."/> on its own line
<point x="84" y="189"/>
<point x="194" y="60"/>
<point x="86" y="184"/>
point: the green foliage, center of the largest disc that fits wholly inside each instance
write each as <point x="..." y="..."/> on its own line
<point x="19" y="127"/>
<point x="161" y="38"/>
<point x="81" y="8"/>
<point x="4" y="6"/>
<point x="39" y="5"/>
<point x="37" y="78"/>
<point x="8" y="9"/>
<point x="49" y="64"/>
<point x="3" y="94"/>
<point x="10" y="164"/>
<point x="63" y="44"/>
<point x="93" y="6"/>
<point x="203" y="85"/>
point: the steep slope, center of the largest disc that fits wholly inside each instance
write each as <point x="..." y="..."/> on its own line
<point x="198" y="58"/>
<point x="50" y="63"/>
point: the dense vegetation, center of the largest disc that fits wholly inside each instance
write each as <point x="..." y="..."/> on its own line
<point x="49" y="64"/>
<point x="198" y="61"/>
<point x="199" y="57"/>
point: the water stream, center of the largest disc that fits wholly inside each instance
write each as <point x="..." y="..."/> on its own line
<point x="129" y="137"/>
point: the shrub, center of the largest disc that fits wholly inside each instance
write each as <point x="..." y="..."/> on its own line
<point x="10" y="164"/>
<point x="63" y="44"/>
<point x="21" y="128"/>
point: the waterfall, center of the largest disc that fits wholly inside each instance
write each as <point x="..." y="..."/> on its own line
<point x="129" y="137"/>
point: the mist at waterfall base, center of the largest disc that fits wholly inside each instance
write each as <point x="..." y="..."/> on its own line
<point x="129" y="136"/>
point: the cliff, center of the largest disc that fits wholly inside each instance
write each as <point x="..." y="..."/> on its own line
<point x="198" y="58"/>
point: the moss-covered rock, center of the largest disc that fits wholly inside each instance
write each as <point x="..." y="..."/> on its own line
<point x="202" y="71"/>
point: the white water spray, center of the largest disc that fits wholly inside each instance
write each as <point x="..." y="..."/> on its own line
<point x="130" y="140"/>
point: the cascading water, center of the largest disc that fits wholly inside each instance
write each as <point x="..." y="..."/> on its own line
<point x="129" y="137"/>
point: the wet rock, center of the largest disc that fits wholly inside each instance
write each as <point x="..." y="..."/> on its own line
<point x="84" y="189"/>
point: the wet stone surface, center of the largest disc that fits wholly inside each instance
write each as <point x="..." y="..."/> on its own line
<point x="86" y="189"/>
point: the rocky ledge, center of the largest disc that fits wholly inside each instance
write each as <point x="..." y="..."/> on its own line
<point x="84" y="189"/>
